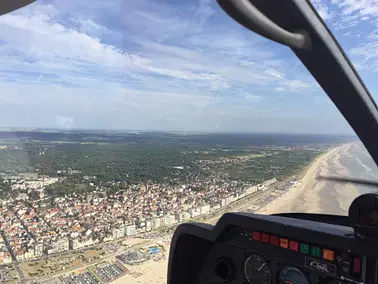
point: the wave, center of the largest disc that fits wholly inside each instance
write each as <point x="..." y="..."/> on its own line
<point x="363" y="165"/>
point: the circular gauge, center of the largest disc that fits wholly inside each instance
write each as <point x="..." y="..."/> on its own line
<point x="257" y="270"/>
<point x="292" y="275"/>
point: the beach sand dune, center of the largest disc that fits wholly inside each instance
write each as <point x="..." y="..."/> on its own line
<point x="151" y="272"/>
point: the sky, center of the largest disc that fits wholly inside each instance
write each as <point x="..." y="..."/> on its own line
<point x="169" y="65"/>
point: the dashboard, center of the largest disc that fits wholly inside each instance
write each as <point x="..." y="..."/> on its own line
<point x="287" y="249"/>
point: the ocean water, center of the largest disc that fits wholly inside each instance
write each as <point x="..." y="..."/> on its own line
<point x="356" y="163"/>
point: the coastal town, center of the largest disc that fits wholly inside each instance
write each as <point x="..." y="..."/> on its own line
<point x="34" y="226"/>
<point x="37" y="228"/>
<point x="95" y="213"/>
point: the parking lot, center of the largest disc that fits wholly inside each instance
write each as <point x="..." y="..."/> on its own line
<point x="83" y="278"/>
<point x="52" y="281"/>
<point x="8" y="274"/>
<point x="111" y="247"/>
<point x="109" y="272"/>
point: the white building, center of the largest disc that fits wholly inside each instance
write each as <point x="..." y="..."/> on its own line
<point x="59" y="245"/>
<point x="130" y="230"/>
<point x="270" y="182"/>
<point x="194" y="212"/>
<point x="156" y="223"/>
<point x="251" y="189"/>
<point x="170" y="220"/>
<point x="205" y="209"/>
<point x="38" y="249"/>
<point x="229" y="200"/>
<point x="119" y="232"/>
<point x="148" y="225"/>
<point x="82" y="242"/>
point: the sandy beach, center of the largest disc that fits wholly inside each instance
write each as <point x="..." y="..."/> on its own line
<point x="318" y="196"/>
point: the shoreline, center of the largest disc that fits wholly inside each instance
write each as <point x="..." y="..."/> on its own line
<point x="316" y="196"/>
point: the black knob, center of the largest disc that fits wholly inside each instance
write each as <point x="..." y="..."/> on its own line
<point x="224" y="269"/>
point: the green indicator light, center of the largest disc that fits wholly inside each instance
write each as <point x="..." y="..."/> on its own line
<point x="315" y="251"/>
<point x="305" y="248"/>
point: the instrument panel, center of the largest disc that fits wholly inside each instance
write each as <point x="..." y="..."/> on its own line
<point x="289" y="257"/>
<point x="269" y="249"/>
<point x="245" y="256"/>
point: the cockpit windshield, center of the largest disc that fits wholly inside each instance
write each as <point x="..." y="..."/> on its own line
<point x="121" y="119"/>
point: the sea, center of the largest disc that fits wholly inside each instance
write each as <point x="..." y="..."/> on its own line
<point x="358" y="164"/>
<point x="354" y="163"/>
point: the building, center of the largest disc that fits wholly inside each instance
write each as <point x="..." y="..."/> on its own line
<point x="156" y="223"/>
<point x="148" y="225"/>
<point x="5" y="256"/>
<point x="229" y="199"/>
<point x="38" y="249"/>
<point x="119" y="232"/>
<point x="171" y="220"/>
<point x="205" y="209"/>
<point x="194" y="212"/>
<point x="133" y="257"/>
<point x="270" y="182"/>
<point x="59" y="245"/>
<point x="81" y="242"/>
<point x="130" y="230"/>
<point x="251" y="189"/>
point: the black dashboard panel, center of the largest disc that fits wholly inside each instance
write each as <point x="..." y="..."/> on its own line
<point x="261" y="249"/>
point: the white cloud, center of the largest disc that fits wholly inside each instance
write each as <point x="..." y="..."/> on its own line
<point x="293" y="86"/>
<point x="323" y="10"/>
<point x="275" y="73"/>
<point x="157" y="66"/>
<point x="65" y="122"/>
<point x="40" y="39"/>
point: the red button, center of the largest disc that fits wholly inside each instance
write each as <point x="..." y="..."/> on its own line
<point x="294" y="245"/>
<point x="256" y="236"/>
<point x="356" y="265"/>
<point x="265" y="238"/>
<point x="274" y="240"/>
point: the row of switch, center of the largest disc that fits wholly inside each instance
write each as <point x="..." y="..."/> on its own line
<point x="294" y="246"/>
<point x="344" y="262"/>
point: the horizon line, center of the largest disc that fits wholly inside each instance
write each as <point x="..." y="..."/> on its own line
<point x="64" y="130"/>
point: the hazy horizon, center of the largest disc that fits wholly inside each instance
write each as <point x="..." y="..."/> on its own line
<point x="46" y="129"/>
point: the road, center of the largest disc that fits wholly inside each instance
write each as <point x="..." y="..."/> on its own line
<point x="238" y="205"/>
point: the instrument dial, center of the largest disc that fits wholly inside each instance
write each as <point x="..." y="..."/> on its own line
<point x="257" y="270"/>
<point x="292" y="275"/>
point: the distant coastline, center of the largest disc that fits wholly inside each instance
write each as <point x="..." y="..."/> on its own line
<point x="318" y="196"/>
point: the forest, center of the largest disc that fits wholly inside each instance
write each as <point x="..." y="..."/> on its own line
<point x="168" y="158"/>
